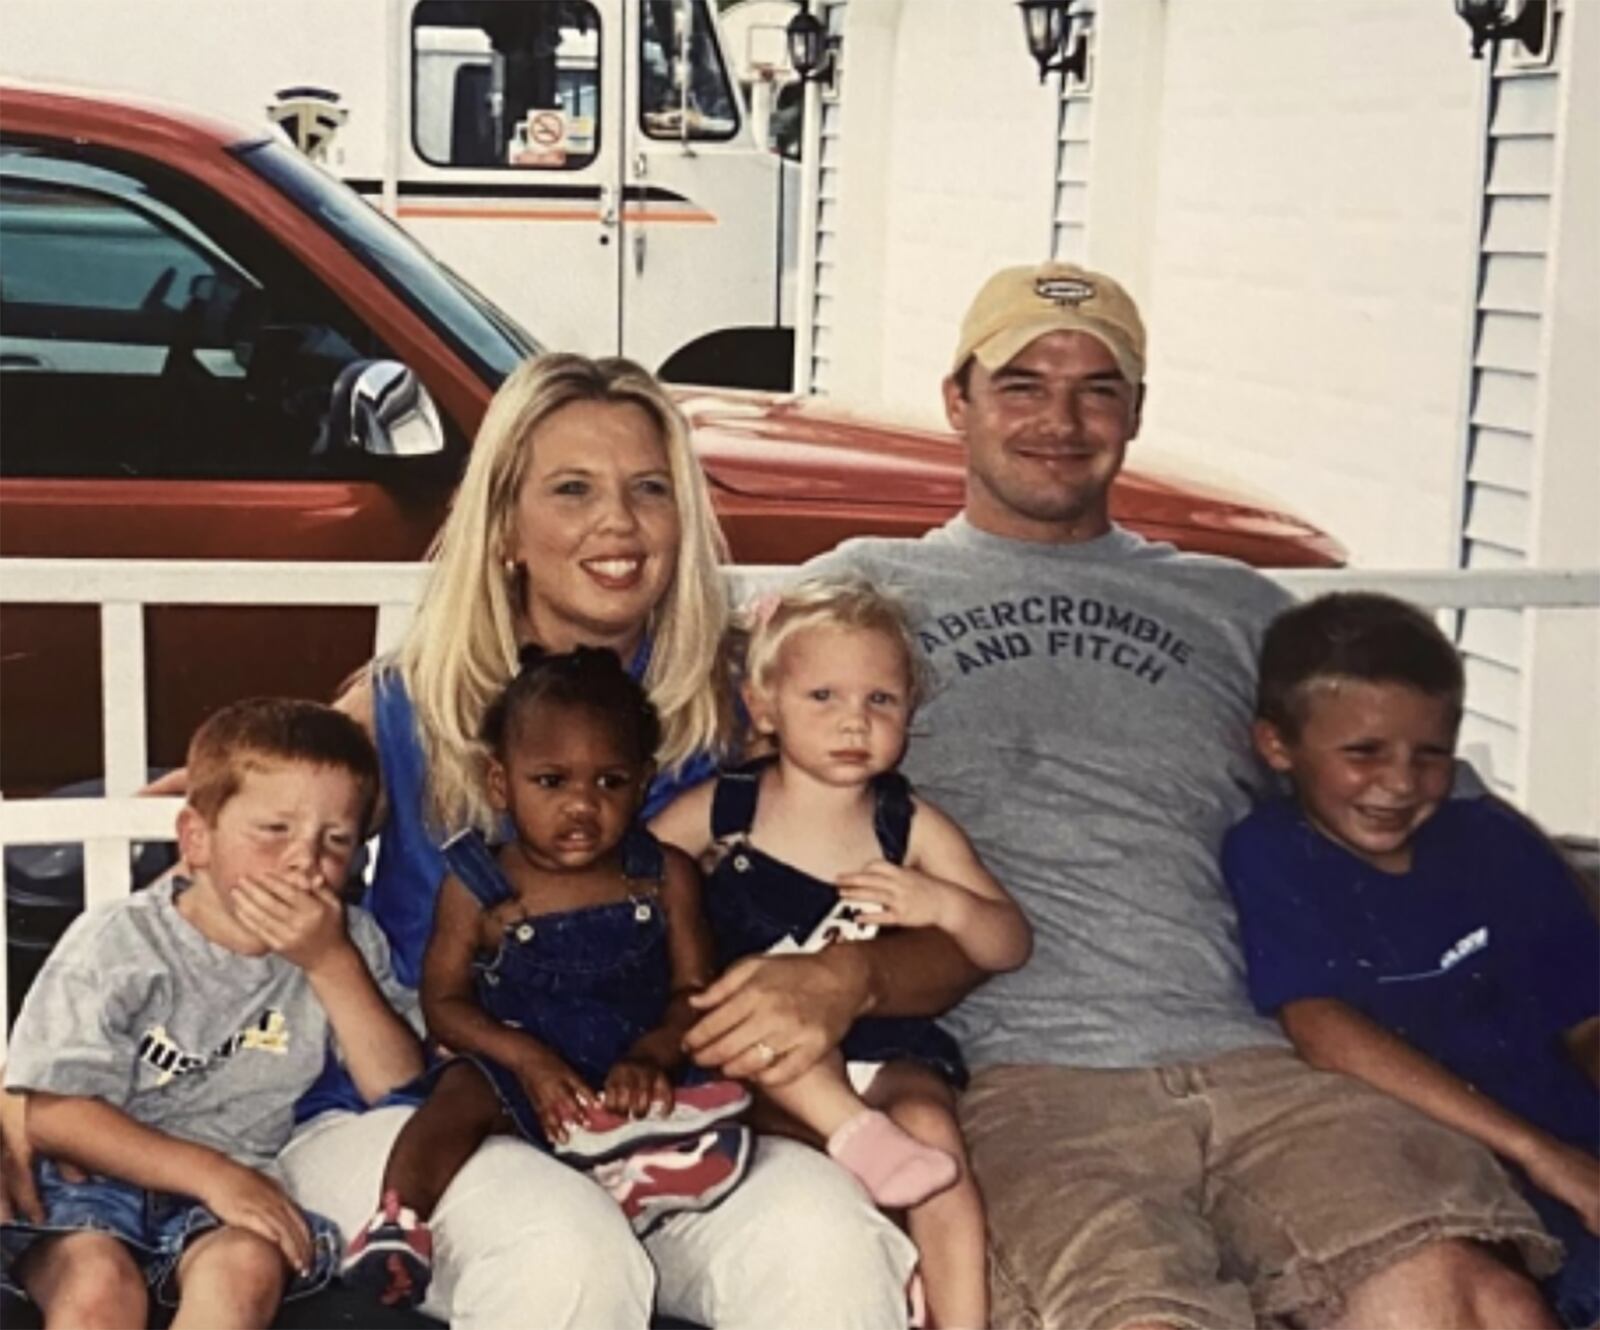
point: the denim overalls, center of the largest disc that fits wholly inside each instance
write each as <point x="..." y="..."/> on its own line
<point x="587" y="982"/>
<point x="754" y="901"/>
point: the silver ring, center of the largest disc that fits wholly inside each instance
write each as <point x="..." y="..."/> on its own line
<point x="768" y="1053"/>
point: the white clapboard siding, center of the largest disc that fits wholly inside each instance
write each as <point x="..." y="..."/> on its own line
<point x="1486" y="557"/>
<point x="1500" y="458"/>
<point x="1494" y="688"/>
<point x="1497" y="508"/>
<point x="1508" y="340"/>
<point x="1069" y="224"/>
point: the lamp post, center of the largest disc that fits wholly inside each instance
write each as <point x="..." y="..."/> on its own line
<point x="808" y="44"/>
<point x="1526" y="21"/>
<point x="1049" y="29"/>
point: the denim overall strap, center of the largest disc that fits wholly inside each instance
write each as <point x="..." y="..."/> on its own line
<point x="891" y="814"/>
<point x="642" y="859"/>
<point x="468" y="856"/>
<point x="733" y="804"/>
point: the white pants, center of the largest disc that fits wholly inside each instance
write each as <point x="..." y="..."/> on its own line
<point x="521" y="1239"/>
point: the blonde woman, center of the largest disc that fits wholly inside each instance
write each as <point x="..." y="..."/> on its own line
<point x="583" y="518"/>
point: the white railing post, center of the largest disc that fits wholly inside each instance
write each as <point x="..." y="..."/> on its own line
<point x="123" y="722"/>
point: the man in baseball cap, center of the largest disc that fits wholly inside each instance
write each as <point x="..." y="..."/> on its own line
<point x="1089" y="726"/>
<point x="1045" y="390"/>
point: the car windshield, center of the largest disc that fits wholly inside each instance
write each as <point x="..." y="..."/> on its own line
<point x="486" y="335"/>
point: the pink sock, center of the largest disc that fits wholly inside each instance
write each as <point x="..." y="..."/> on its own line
<point x="895" y="1167"/>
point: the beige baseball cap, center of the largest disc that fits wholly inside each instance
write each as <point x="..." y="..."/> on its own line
<point x="1017" y="305"/>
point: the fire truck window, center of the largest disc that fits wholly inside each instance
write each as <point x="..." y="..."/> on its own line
<point x="497" y="84"/>
<point x="684" y="89"/>
<point x="138" y="339"/>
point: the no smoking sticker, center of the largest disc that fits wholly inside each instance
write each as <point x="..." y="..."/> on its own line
<point x="547" y="129"/>
<point x="541" y="140"/>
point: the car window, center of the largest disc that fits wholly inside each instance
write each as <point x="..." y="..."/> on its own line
<point x="92" y="286"/>
<point x="147" y="329"/>
<point x="684" y="89"/>
<point x="506" y="85"/>
<point x="481" y="333"/>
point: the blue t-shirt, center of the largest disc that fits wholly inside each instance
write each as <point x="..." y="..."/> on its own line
<point x="1481" y="955"/>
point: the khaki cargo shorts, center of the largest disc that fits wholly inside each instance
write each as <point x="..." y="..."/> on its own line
<point x="1250" y="1188"/>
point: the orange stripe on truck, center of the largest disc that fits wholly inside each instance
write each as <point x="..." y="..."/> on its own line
<point x="551" y="214"/>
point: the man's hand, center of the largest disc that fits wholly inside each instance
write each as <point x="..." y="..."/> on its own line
<point x="636" y="1086"/>
<point x="304" y="926"/>
<point x="768" y="1019"/>
<point x="560" y="1096"/>
<point x="1570" y="1175"/>
<point x="241" y="1196"/>
<point x="19" y="1196"/>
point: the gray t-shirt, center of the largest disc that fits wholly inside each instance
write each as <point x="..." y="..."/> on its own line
<point x="1089" y="730"/>
<point x="137" y="1007"/>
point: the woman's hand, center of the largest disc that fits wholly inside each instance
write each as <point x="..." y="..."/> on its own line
<point x="768" y="1019"/>
<point x="560" y="1096"/>
<point x="174" y="782"/>
<point x="636" y="1087"/>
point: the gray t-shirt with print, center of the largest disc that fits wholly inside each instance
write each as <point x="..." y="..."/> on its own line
<point x="137" y="1007"/>
<point x="1089" y="730"/>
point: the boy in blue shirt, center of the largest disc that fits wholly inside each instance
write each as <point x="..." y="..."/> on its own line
<point x="1436" y="948"/>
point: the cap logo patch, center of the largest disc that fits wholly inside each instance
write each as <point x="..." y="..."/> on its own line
<point x="1064" y="290"/>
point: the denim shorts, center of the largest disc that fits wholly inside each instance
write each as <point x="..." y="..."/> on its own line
<point x="155" y="1227"/>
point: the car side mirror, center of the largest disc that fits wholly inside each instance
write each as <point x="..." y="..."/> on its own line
<point x="379" y="407"/>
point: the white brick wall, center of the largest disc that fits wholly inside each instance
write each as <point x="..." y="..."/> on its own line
<point x="1311" y="259"/>
<point x="965" y="184"/>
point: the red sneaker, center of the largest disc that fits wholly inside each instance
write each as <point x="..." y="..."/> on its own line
<point x="649" y="1185"/>
<point x="695" y="1110"/>
<point x="392" y="1256"/>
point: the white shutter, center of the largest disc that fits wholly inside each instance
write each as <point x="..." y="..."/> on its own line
<point x="1502" y="442"/>
<point x="825" y="273"/>
<point x="1068" y="234"/>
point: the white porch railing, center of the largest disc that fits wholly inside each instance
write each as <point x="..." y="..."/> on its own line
<point x="107" y="827"/>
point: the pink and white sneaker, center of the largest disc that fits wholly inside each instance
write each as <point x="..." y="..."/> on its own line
<point x="392" y="1256"/>
<point x="651" y="1184"/>
<point x="695" y="1110"/>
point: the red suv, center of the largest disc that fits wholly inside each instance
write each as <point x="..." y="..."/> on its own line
<point x="201" y="336"/>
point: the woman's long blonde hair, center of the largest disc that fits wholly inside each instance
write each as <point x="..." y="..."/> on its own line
<point x="461" y="645"/>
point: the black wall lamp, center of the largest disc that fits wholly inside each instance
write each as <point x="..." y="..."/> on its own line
<point x="1526" y="21"/>
<point x="1048" y="24"/>
<point x="810" y="51"/>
